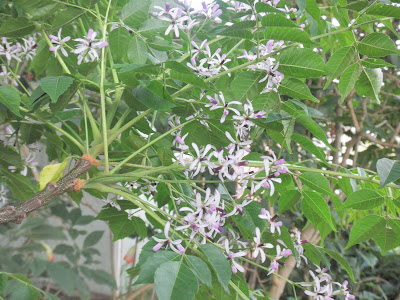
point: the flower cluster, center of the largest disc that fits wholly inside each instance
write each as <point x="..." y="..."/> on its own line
<point x="18" y="52"/>
<point x="87" y="49"/>
<point x="323" y="286"/>
<point x="243" y="8"/>
<point x="15" y="53"/>
<point x="268" y="65"/>
<point x="228" y="162"/>
<point x="209" y="64"/>
<point x="185" y="17"/>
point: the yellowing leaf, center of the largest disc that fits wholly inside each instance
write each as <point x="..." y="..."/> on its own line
<point x="51" y="173"/>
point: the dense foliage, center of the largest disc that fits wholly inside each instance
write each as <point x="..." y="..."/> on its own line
<point x="251" y="144"/>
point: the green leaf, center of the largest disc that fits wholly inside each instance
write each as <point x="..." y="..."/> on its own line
<point x="149" y="267"/>
<point x="66" y="17"/>
<point x="37" y="8"/>
<point x="357" y="5"/>
<point x="309" y="146"/>
<point x="395" y="224"/>
<point x="348" y="80"/>
<point x="296" y="88"/>
<point x="160" y="44"/>
<point x="181" y="72"/>
<point x="99" y="276"/>
<point x="388" y="170"/>
<point x="282" y="137"/>
<point x="9" y="96"/>
<point x="219" y="263"/>
<point x="369" y="83"/>
<point x="387" y="239"/>
<point x="154" y="96"/>
<point x="63" y="276"/>
<point x="135" y="12"/>
<point x="200" y="269"/>
<point x="377" y="45"/>
<point x="341" y="260"/>
<point x="137" y="50"/>
<point x="314" y="128"/>
<point x="65" y="98"/>
<point x="16" y="27"/>
<point x="315" y="254"/>
<point x="248" y="222"/>
<point x="237" y="30"/>
<point x="50" y="296"/>
<point x="288" y="199"/>
<point x="56" y="86"/>
<point x="246" y="86"/>
<point x="396" y="202"/>
<point x="92" y="238"/>
<point x="338" y="62"/>
<point x="266" y="101"/>
<point x="120" y="224"/>
<point x="380" y="9"/>
<point x="287" y="34"/>
<point x="263" y="7"/>
<point x="118" y="41"/>
<point x="22" y="291"/>
<point x="3" y="283"/>
<point x="313" y="9"/>
<point x="301" y="63"/>
<point x="317" y="182"/>
<point x="51" y="173"/>
<point x="363" y="199"/>
<point x="374" y="63"/>
<point x="316" y="209"/>
<point x="366" y="228"/>
<point x="174" y="280"/>
<point x="152" y="27"/>
<point x="20" y="186"/>
<point x="277" y="20"/>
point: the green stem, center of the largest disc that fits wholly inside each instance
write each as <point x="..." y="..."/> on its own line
<point x="102" y="92"/>
<point x="148" y="145"/>
<point x="70" y="137"/>
<point x="238" y="291"/>
<point x="59" y="58"/>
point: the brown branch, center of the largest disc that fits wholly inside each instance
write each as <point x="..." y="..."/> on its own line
<point x="376" y="141"/>
<point x="353" y="115"/>
<point x="67" y="183"/>
<point x="278" y="286"/>
<point x="349" y="146"/>
<point x="395" y="133"/>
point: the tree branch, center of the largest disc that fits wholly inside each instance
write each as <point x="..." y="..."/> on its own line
<point x="68" y="183"/>
<point x="376" y="141"/>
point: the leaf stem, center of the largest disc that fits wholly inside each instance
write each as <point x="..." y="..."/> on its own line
<point x="148" y="145"/>
<point x="102" y="92"/>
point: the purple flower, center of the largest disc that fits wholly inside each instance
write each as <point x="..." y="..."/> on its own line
<point x="231" y="257"/>
<point x="258" y="249"/>
<point x="59" y="43"/>
<point x="10" y="51"/>
<point x="168" y="242"/>
<point x="88" y="47"/>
